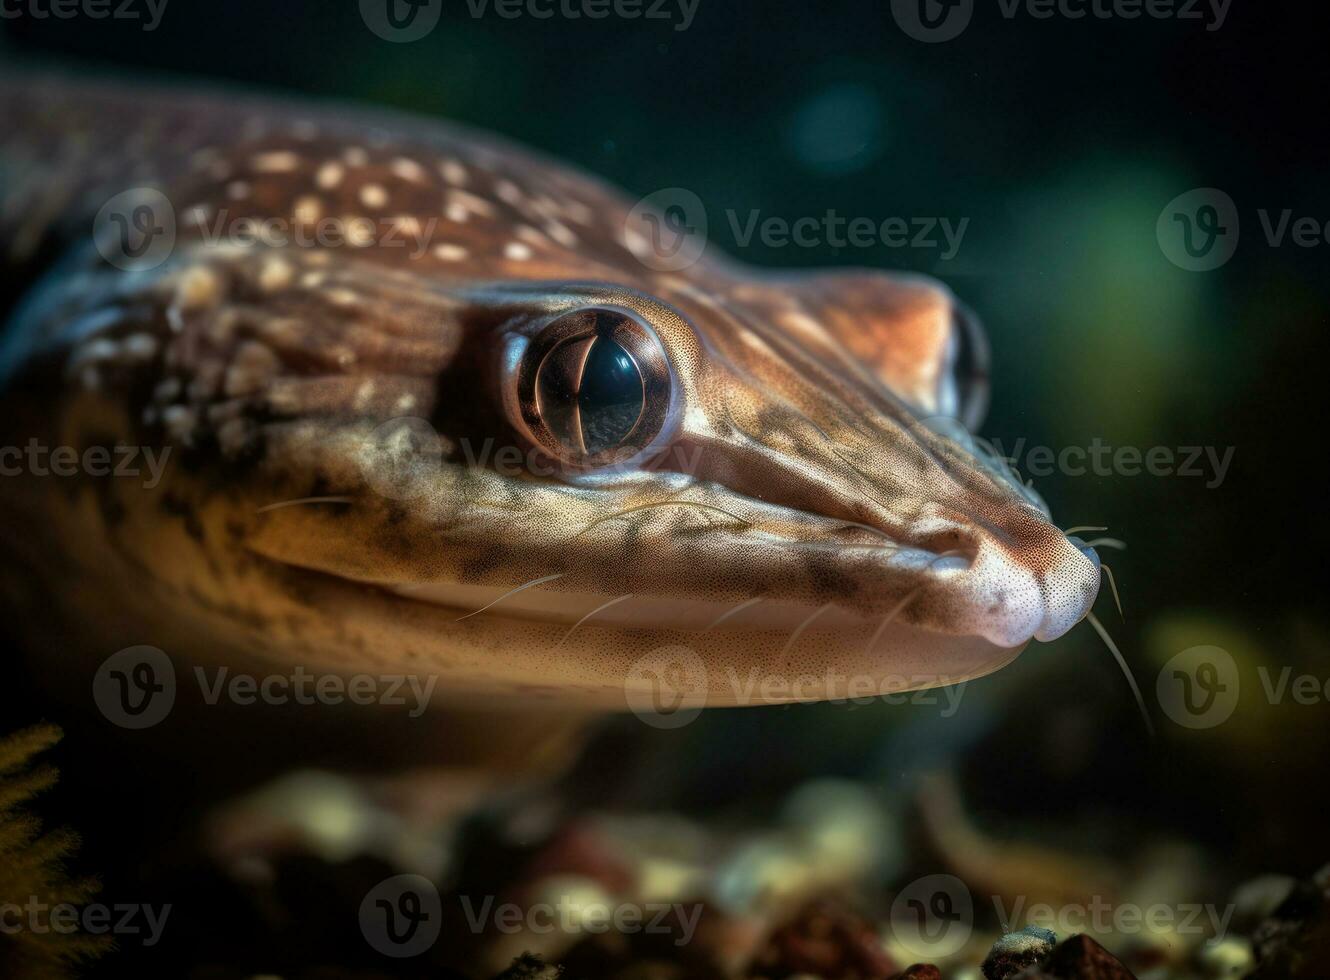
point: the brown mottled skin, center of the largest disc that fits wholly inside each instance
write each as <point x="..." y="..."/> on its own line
<point x="797" y="470"/>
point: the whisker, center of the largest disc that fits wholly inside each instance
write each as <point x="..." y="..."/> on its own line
<point x="1081" y="530"/>
<point x="794" y="637"/>
<point x="593" y="612"/>
<point x="305" y="500"/>
<point x="747" y="603"/>
<point x="889" y="617"/>
<point x="1122" y="662"/>
<point x="527" y="585"/>
<point x="1113" y="543"/>
<point x="662" y="503"/>
<point x="1113" y="584"/>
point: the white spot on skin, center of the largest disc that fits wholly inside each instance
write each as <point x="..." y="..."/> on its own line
<point x="517" y="251"/>
<point x="364" y="394"/>
<point x="456" y="213"/>
<point x="139" y="347"/>
<point x="237" y="190"/>
<point x="313" y="280"/>
<point x="530" y="235"/>
<point x="277" y="162"/>
<point x="405" y="403"/>
<point x="451" y="253"/>
<point x="508" y="192"/>
<point x="330" y="175"/>
<point x="562" y="234"/>
<point x="197" y="289"/>
<point x="472" y="203"/>
<point x="453" y="172"/>
<point x="179" y="421"/>
<point x="307" y="210"/>
<point x="276" y="274"/>
<point x="373" y="196"/>
<point x="342" y="297"/>
<point x="408" y="169"/>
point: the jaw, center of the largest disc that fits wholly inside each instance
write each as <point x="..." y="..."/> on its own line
<point x="611" y="663"/>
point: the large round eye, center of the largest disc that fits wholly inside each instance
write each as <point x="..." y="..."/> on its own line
<point x="594" y="387"/>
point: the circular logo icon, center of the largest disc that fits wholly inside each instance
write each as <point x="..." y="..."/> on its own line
<point x="401" y="916"/>
<point x="668" y="687"/>
<point x="933" y="917"/>
<point x="1198" y="230"/>
<point x="667" y="230"/>
<point x="401" y="21"/>
<point x="135" y="687"/>
<point x="402" y="457"/>
<point x="135" y="230"/>
<point x="1199" y="687"/>
<point x="932" y="21"/>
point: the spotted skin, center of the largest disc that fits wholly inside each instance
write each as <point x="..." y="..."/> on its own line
<point x="801" y="520"/>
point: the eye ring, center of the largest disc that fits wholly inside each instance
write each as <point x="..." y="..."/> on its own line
<point x="595" y="387"/>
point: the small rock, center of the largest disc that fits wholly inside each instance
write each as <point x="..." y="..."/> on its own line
<point x="528" y="967"/>
<point x="1080" y="958"/>
<point x="1294" y="943"/>
<point x="919" y="971"/>
<point x="1017" y="950"/>
<point x="828" y="942"/>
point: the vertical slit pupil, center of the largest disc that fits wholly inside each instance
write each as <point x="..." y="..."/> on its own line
<point x="610" y="398"/>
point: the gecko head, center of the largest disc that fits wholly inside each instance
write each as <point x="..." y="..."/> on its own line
<point x="774" y="473"/>
<point x="528" y="462"/>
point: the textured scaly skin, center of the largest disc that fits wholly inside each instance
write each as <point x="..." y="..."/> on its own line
<point x="875" y="547"/>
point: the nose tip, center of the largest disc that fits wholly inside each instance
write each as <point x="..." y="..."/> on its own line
<point x="1071" y="585"/>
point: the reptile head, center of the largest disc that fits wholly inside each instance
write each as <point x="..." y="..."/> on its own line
<point x="519" y="457"/>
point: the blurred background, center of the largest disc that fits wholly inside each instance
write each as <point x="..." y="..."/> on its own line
<point x="1060" y="144"/>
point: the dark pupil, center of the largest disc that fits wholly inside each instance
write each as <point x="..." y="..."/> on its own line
<point x="610" y="401"/>
<point x="607" y="402"/>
